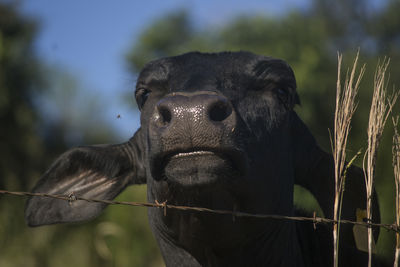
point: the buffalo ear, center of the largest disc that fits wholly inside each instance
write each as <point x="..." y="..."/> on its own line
<point x="98" y="172"/>
<point x="314" y="170"/>
<point x="313" y="167"/>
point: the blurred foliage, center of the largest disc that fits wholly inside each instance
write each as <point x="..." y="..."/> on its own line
<point x="70" y="112"/>
<point x="41" y="115"/>
<point x="43" y="111"/>
<point x="18" y="79"/>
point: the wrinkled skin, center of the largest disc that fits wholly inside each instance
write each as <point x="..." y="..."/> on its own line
<point x="217" y="131"/>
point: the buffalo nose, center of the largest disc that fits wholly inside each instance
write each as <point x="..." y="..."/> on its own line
<point x="195" y="108"/>
<point x="219" y="109"/>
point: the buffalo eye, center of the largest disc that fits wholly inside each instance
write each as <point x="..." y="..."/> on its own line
<point x="283" y="95"/>
<point x="141" y="96"/>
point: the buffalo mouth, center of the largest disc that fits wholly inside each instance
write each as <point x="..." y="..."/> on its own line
<point x="199" y="166"/>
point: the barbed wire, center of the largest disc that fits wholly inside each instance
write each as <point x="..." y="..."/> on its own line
<point x="315" y="219"/>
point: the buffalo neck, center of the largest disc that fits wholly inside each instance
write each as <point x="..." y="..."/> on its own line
<point x="225" y="240"/>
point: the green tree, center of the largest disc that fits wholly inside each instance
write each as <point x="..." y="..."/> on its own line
<point x="22" y="150"/>
<point x="19" y="142"/>
<point x="42" y="114"/>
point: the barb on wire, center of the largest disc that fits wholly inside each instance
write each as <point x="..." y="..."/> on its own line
<point x="72" y="197"/>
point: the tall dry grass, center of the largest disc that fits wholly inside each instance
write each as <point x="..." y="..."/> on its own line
<point x="381" y="107"/>
<point x="396" y="168"/>
<point x="345" y="108"/>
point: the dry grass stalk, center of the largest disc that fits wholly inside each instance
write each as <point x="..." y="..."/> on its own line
<point x="381" y="107"/>
<point x="345" y="108"/>
<point x="396" y="168"/>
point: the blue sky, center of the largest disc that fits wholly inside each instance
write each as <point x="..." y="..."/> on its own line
<point x="90" y="38"/>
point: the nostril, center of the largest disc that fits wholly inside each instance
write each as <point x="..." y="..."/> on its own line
<point x="219" y="111"/>
<point x="165" y="115"/>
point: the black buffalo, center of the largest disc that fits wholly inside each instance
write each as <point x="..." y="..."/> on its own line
<point x="217" y="131"/>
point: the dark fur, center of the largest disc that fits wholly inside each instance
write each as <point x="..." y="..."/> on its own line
<point x="217" y="131"/>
